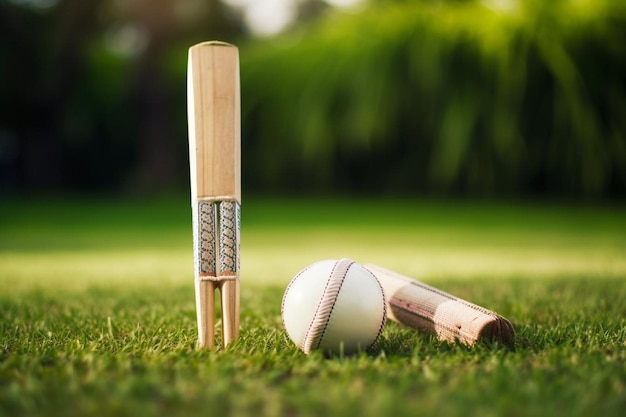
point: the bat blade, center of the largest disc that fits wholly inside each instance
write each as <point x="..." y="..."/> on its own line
<point x="431" y="310"/>
<point x="214" y="120"/>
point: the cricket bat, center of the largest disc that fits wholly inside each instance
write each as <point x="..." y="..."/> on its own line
<point x="214" y="119"/>
<point x="429" y="309"/>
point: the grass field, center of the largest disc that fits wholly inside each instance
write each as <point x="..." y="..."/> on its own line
<point x="98" y="316"/>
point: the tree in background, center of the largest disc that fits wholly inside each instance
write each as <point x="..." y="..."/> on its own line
<point x="468" y="97"/>
<point x="489" y="97"/>
<point x="43" y="48"/>
<point x="88" y="98"/>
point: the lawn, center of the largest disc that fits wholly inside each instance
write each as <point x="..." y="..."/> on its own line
<point x="98" y="314"/>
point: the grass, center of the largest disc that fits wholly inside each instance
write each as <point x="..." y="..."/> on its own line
<point x="98" y="317"/>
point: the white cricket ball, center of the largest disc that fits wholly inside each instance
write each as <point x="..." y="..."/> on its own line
<point x="334" y="306"/>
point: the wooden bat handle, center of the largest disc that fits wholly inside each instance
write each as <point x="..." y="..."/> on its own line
<point x="429" y="309"/>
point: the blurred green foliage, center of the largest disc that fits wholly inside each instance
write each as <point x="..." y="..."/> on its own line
<point x="474" y="97"/>
<point x="92" y="93"/>
<point x="491" y="97"/>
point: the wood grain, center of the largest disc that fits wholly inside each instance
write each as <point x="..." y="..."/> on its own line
<point x="214" y="119"/>
<point x="429" y="309"/>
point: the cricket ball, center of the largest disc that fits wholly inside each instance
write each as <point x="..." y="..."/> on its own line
<point x="336" y="306"/>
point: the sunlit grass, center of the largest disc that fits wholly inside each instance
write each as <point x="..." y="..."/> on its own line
<point x="102" y="242"/>
<point x="98" y="313"/>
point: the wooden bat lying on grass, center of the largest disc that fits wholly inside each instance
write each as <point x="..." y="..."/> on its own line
<point x="428" y="309"/>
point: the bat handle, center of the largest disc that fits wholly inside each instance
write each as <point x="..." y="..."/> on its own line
<point x="229" y="292"/>
<point x="217" y="263"/>
<point x="205" y="302"/>
<point x="229" y="264"/>
<point x="205" y="307"/>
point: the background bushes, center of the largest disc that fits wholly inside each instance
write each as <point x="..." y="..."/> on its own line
<point x="490" y="97"/>
<point x="443" y="97"/>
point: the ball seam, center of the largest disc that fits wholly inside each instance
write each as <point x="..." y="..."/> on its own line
<point x="325" y="306"/>
<point x="341" y="279"/>
<point x="383" y="322"/>
<point x="282" y="306"/>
